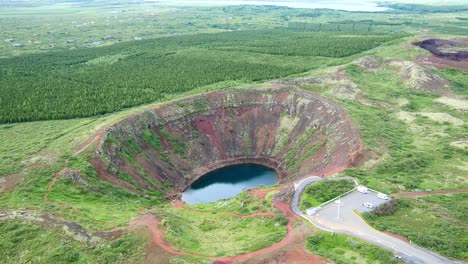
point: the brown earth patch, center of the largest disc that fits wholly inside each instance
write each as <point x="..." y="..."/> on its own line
<point x="369" y="63"/>
<point x="441" y="63"/>
<point x="446" y="49"/>
<point x="9" y="182"/>
<point x="445" y="53"/>
<point x="419" y="78"/>
<point x="402" y="238"/>
<point x="261" y="193"/>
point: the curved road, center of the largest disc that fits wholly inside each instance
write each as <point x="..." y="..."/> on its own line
<point x="347" y="222"/>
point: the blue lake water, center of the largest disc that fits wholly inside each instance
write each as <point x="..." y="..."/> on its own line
<point x="348" y="5"/>
<point x="228" y="182"/>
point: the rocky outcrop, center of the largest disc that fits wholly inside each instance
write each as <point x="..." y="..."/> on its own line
<point x="448" y="49"/>
<point x="419" y="78"/>
<point x="293" y="131"/>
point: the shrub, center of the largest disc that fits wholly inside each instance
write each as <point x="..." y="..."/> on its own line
<point x="386" y="209"/>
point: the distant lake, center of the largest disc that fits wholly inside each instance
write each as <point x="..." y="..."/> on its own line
<point x="228" y="182"/>
<point x="333" y="4"/>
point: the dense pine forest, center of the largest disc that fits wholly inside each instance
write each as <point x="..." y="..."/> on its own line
<point x="87" y="82"/>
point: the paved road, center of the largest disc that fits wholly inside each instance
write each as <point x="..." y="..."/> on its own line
<point x="340" y="218"/>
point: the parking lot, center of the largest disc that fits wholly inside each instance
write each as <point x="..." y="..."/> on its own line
<point x="337" y="213"/>
<point x="342" y="218"/>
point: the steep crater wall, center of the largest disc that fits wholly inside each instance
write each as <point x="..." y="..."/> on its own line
<point x="170" y="146"/>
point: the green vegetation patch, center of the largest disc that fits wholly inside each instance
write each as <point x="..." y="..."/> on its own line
<point x="221" y="235"/>
<point x="243" y="204"/>
<point x="435" y="222"/>
<point x="69" y="84"/>
<point x="320" y="192"/>
<point x="343" y="249"/>
<point x="28" y="243"/>
<point x="101" y="205"/>
<point x="416" y="155"/>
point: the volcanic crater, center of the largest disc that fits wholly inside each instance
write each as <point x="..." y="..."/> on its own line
<point x="170" y="146"/>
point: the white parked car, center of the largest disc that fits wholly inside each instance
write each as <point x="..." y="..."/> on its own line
<point x="362" y="189"/>
<point x="383" y="196"/>
<point x="368" y="205"/>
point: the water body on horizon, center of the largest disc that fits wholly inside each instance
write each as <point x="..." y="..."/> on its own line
<point x="332" y="4"/>
<point x="228" y="182"/>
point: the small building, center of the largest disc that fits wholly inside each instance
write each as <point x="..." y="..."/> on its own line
<point x="9" y="40"/>
<point x="137" y="38"/>
<point x="70" y="41"/>
<point x="17" y="45"/>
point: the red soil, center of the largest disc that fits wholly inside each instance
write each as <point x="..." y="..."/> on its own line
<point x="441" y="63"/>
<point x="51" y="184"/>
<point x="90" y="141"/>
<point x="152" y="224"/>
<point x="205" y="126"/>
<point x="402" y="238"/>
<point x="178" y="204"/>
<point x="100" y="167"/>
<point x="261" y="193"/>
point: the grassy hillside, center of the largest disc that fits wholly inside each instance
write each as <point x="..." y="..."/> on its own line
<point x="436" y="222"/>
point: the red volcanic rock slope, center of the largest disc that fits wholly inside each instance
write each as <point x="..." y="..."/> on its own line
<point x="171" y="145"/>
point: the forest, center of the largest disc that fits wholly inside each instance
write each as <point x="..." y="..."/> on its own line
<point x="87" y="82"/>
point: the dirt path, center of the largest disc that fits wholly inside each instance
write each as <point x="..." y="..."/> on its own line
<point x="421" y="194"/>
<point x="96" y="138"/>
<point x="152" y="223"/>
<point x="51" y="184"/>
<point x="262" y="193"/>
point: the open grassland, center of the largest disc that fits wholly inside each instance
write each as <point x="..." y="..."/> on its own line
<point x="415" y="155"/>
<point x="320" y="192"/>
<point x="346" y="249"/>
<point x="94" y="203"/>
<point x="435" y="222"/>
<point x="28" y="243"/>
<point x="212" y="234"/>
